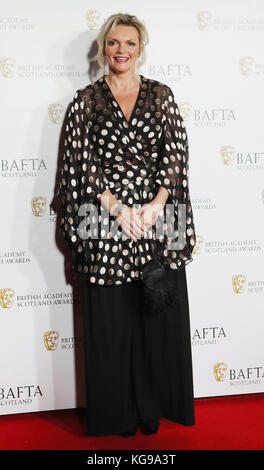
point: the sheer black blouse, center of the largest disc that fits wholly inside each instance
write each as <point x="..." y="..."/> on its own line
<point x="132" y="158"/>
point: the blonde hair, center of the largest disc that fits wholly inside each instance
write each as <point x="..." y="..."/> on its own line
<point x="111" y="22"/>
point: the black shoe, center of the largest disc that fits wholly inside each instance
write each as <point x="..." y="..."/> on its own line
<point x="150" y="427"/>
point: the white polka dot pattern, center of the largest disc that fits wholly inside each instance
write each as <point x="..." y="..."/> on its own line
<point x="102" y="149"/>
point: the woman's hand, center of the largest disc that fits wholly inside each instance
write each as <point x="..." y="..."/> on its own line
<point x="149" y="213"/>
<point x="130" y="220"/>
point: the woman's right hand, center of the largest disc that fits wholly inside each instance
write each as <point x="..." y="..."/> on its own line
<point x="130" y="220"/>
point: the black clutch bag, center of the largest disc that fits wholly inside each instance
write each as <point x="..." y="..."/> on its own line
<point x="159" y="293"/>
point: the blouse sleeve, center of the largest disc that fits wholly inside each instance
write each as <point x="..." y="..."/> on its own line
<point x="82" y="179"/>
<point x="173" y="170"/>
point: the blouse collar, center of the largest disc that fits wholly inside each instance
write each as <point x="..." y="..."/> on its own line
<point x="139" y="103"/>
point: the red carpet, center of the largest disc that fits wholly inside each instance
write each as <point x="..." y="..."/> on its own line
<point x="222" y="423"/>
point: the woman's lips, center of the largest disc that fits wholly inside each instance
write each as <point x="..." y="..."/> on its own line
<point x="119" y="60"/>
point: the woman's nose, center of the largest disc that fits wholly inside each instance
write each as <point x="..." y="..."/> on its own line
<point x="121" y="48"/>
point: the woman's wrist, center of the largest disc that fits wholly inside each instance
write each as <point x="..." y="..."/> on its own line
<point x="161" y="197"/>
<point x="116" y="208"/>
<point x="157" y="204"/>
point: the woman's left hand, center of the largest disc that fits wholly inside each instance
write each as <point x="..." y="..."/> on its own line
<point x="149" y="213"/>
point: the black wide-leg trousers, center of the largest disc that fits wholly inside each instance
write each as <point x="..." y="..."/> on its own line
<point x="137" y="367"/>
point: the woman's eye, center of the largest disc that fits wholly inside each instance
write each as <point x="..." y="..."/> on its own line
<point x="111" y="42"/>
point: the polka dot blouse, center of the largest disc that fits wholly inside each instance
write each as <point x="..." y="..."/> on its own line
<point x="102" y="150"/>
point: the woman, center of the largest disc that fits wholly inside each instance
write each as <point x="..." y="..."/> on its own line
<point x="126" y="160"/>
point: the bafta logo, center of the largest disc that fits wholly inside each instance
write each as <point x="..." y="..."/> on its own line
<point x="198" y="245"/>
<point x="7" y="297"/>
<point x="92" y="19"/>
<point x="51" y="340"/>
<point x="246" y="65"/>
<point x="56" y="113"/>
<point x="185" y="110"/>
<point x="227" y="154"/>
<point x="7" y="65"/>
<point x="220" y="369"/>
<point x="204" y="20"/>
<point x="38" y="205"/>
<point x="238" y="283"/>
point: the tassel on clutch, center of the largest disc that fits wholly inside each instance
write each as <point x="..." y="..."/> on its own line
<point x="159" y="293"/>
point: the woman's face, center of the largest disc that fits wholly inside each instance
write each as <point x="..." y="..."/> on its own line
<point x="122" y="48"/>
